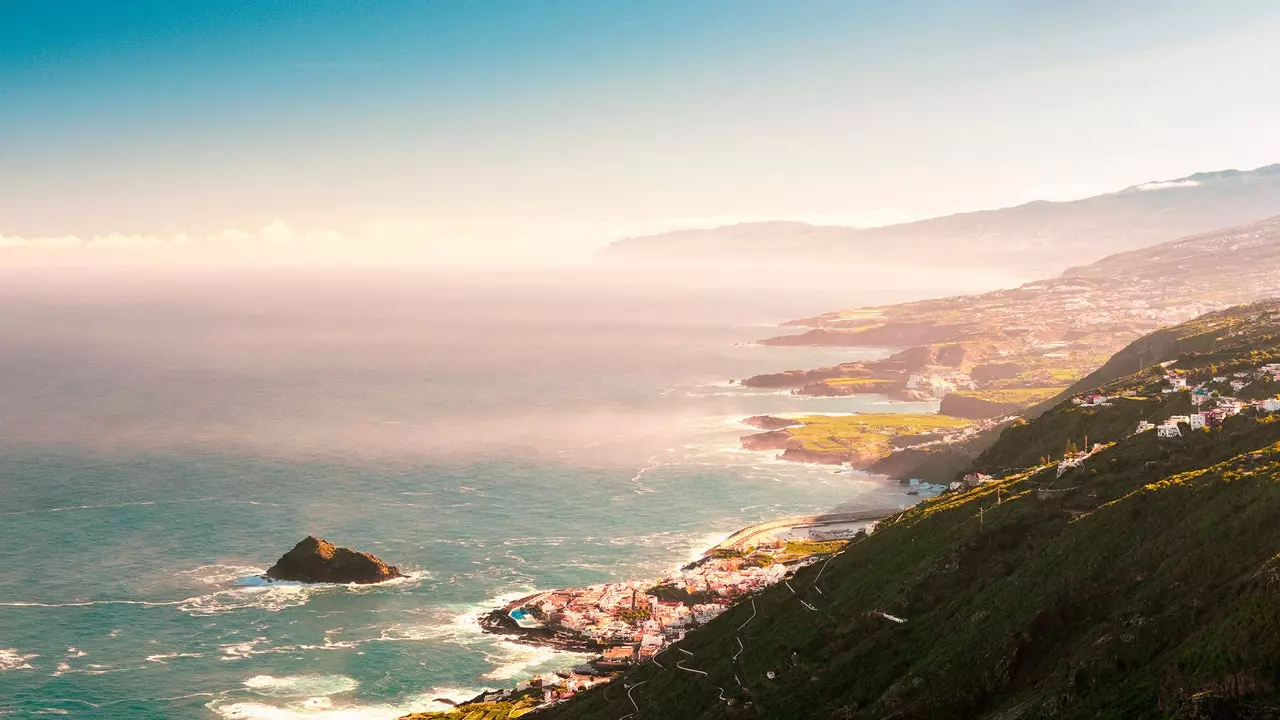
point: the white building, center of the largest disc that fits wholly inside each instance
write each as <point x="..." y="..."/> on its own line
<point x="1144" y="426"/>
<point x="1271" y="404"/>
<point x="1168" y="430"/>
<point x="1197" y="421"/>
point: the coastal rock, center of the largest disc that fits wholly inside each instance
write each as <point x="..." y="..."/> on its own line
<point x="772" y="440"/>
<point x="317" y="561"/>
<point x="791" y="378"/>
<point x="770" y="422"/>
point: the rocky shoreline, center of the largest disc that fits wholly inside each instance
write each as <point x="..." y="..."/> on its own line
<point x="500" y="622"/>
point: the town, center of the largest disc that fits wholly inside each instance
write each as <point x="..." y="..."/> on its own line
<point x="634" y="621"/>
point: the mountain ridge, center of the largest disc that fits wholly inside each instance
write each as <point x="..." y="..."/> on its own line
<point x="1034" y="234"/>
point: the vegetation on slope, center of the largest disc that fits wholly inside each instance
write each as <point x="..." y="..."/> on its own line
<point x="1144" y="583"/>
<point x="1111" y="597"/>
<point x="1239" y="338"/>
<point x="861" y="439"/>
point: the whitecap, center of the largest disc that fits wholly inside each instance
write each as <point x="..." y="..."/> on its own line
<point x="514" y="659"/>
<point x="87" y="603"/>
<point x="12" y="659"/>
<point x="326" y="708"/>
<point x="218" y="574"/>
<point x="236" y="651"/>
<point x="262" y="593"/>
<point x="306" y="686"/>
<point x="271" y="598"/>
<point x="247" y="649"/>
<point x="165" y="657"/>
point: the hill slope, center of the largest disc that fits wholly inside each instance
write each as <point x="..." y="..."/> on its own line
<point x="1143" y="583"/>
<point x="1034" y="235"/>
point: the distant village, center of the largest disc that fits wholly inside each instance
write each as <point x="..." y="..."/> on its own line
<point x="634" y="621"/>
<point x="1215" y="407"/>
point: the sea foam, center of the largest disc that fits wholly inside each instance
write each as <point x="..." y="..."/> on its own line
<point x="305" y="686"/>
<point x="514" y="660"/>
<point x="12" y="659"/>
<point x="323" y="707"/>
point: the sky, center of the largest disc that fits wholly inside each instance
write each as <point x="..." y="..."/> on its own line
<point x="455" y="129"/>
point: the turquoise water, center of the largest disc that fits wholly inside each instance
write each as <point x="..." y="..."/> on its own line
<point x="164" y="440"/>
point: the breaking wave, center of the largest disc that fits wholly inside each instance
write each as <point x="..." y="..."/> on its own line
<point x="301" y="685"/>
<point x="12" y="659"/>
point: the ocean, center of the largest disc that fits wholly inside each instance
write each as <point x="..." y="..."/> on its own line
<point x="165" y="436"/>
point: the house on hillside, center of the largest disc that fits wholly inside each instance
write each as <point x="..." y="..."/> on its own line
<point x="1144" y="426"/>
<point x="1176" y="382"/>
<point x="1197" y="421"/>
<point x="1271" y="404"/>
<point x="620" y="656"/>
<point x="1169" y="430"/>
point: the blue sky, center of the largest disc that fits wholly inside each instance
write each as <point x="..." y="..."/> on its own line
<point x="585" y="119"/>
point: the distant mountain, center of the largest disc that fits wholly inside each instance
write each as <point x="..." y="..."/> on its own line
<point x="1038" y="234"/>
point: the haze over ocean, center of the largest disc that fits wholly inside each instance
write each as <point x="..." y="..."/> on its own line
<point x="164" y="438"/>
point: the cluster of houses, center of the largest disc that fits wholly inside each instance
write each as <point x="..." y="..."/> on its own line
<point x="554" y="688"/>
<point x="971" y="480"/>
<point x="1091" y="400"/>
<point x="635" y="625"/>
<point x="1213" y="408"/>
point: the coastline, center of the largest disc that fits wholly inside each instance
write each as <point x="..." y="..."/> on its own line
<point x="750" y="559"/>
<point x="500" y="622"/>
<point x="825" y="533"/>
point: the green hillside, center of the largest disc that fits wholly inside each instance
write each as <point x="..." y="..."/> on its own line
<point x="1143" y="583"/>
